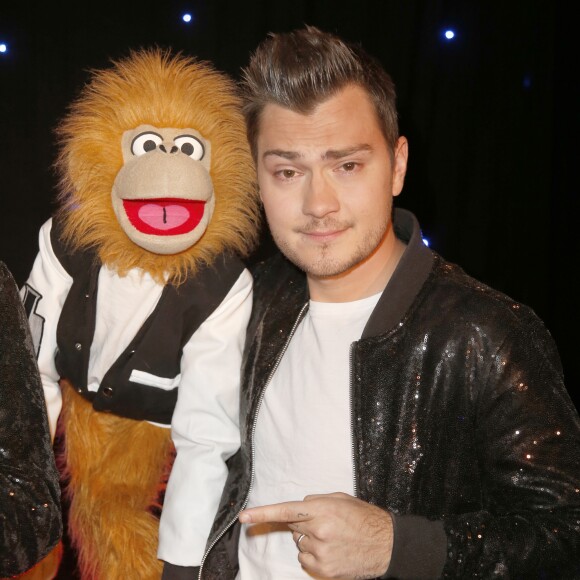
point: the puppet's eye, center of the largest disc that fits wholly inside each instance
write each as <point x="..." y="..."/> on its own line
<point x="145" y="142"/>
<point x="191" y="146"/>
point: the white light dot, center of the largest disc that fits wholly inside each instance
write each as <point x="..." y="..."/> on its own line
<point x="3" y="47"/>
<point x="449" y="34"/>
<point x="426" y="242"/>
<point x="187" y="17"/>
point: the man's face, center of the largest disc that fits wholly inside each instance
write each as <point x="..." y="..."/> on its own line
<point x="327" y="181"/>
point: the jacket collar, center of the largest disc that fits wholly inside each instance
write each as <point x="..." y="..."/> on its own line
<point x="409" y="276"/>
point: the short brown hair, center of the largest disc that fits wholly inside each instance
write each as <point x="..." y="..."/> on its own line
<point x="300" y="69"/>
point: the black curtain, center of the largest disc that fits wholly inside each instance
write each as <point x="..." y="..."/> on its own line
<point x="491" y="117"/>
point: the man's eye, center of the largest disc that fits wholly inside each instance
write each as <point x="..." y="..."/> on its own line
<point x="287" y="173"/>
<point x="350" y="166"/>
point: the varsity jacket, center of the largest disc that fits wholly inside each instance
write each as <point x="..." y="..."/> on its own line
<point x="156" y="349"/>
<point x="142" y="381"/>
<point x="462" y="427"/>
<point x="145" y="351"/>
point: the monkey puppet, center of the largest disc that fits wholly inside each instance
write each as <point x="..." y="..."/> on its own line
<point x="138" y="302"/>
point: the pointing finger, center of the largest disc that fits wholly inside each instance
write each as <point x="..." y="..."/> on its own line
<point x="334" y="495"/>
<point x="286" y="512"/>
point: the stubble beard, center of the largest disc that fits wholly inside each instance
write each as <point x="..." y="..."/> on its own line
<point x="323" y="264"/>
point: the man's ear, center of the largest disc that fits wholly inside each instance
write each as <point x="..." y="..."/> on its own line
<point x="400" y="164"/>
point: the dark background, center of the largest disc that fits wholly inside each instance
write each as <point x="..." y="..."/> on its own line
<point x="492" y="119"/>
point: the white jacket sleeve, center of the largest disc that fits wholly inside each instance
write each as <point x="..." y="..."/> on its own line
<point x="205" y="427"/>
<point x="44" y="294"/>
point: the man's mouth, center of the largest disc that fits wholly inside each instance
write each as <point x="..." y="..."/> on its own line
<point x="164" y="216"/>
<point x="323" y="235"/>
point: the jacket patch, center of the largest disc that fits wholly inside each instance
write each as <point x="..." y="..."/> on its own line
<point x="143" y="378"/>
<point x="30" y="299"/>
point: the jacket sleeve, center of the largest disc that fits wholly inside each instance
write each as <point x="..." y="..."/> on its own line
<point x="30" y="516"/>
<point x="528" y="443"/>
<point x="43" y="295"/>
<point x="205" y="427"/>
<point x="173" y="572"/>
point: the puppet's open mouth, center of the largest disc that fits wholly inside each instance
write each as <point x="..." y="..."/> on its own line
<point x="164" y="217"/>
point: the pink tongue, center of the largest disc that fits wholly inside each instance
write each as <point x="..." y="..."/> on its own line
<point x="163" y="217"/>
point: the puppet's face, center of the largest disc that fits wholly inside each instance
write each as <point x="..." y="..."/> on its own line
<point x="163" y="195"/>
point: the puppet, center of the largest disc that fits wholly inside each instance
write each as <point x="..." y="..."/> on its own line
<point x="138" y="302"/>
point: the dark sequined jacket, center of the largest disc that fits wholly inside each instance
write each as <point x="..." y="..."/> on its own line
<point x="462" y="426"/>
<point x="30" y="515"/>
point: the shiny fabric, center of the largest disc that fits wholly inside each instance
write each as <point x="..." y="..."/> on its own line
<point x="460" y="417"/>
<point x="30" y="516"/>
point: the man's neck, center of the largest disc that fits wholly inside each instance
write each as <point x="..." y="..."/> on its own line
<point x="364" y="279"/>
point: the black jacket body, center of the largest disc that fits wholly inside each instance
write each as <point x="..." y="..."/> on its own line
<point x="462" y="425"/>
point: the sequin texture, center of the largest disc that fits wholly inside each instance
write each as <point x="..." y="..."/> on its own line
<point x="30" y="516"/>
<point x="462" y="426"/>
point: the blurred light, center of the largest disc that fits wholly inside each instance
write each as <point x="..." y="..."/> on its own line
<point x="527" y="82"/>
<point x="449" y="34"/>
<point x="426" y="242"/>
<point x="3" y="47"/>
<point x="187" y="17"/>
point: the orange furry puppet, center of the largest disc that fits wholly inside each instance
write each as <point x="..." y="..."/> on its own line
<point x="138" y="302"/>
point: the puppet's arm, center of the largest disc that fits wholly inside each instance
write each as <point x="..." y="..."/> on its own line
<point x="43" y="295"/>
<point x="205" y="427"/>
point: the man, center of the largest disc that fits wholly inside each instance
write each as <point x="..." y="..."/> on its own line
<point x="399" y="418"/>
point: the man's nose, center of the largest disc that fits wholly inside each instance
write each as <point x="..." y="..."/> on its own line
<point x="320" y="197"/>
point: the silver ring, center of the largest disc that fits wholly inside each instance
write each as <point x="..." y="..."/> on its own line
<point x="298" y="542"/>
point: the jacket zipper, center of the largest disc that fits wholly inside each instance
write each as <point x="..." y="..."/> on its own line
<point x="352" y="419"/>
<point x="255" y="422"/>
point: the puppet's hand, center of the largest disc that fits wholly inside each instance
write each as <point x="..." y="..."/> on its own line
<point x="46" y="568"/>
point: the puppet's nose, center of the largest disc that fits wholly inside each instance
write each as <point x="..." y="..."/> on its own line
<point x="174" y="149"/>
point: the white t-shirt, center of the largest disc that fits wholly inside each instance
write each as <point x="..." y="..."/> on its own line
<point x="303" y="438"/>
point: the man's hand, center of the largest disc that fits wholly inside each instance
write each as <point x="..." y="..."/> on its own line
<point x="344" y="537"/>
